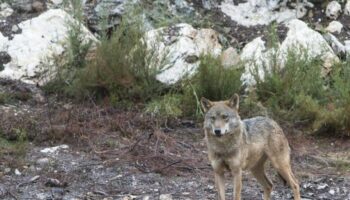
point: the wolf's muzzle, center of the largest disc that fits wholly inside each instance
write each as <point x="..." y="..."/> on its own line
<point x="217" y="132"/>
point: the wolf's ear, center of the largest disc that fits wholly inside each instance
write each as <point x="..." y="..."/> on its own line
<point x="234" y="101"/>
<point x="206" y="104"/>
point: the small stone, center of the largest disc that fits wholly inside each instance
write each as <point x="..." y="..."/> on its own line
<point x="54" y="149"/>
<point x="146" y="198"/>
<point x="165" y="197"/>
<point x="347" y="8"/>
<point x="322" y="186"/>
<point x="42" y="161"/>
<point x="334" y="27"/>
<point x="42" y="196"/>
<point x="17" y="172"/>
<point x="34" y="178"/>
<point x="333" y="10"/>
<point x="15" y="28"/>
<point x="57" y="191"/>
<point x="331" y="191"/>
<point x="5" y="10"/>
<point x="57" y="2"/>
<point x="52" y="182"/>
<point x="7" y="170"/>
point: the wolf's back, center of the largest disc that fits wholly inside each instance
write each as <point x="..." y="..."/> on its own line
<point x="258" y="128"/>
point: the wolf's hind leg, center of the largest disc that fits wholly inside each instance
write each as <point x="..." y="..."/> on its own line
<point x="259" y="173"/>
<point x="282" y="164"/>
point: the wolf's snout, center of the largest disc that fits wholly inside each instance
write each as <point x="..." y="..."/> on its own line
<point x="217" y="132"/>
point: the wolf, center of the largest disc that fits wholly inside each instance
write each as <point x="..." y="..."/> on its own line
<point x="236" y="145"/>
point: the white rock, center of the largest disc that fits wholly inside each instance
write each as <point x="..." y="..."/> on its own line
<point x="42" y="38"/>
<point x="43" y="161"/>
<point x="17" y="172"/>
<point x="331" y="191"/>
<point x="7" y="170"/>
<point x="301" y="10"/>
<point x="178" y="48"/>
<point x="34" y="178"/>
<point x="42" y="196"/>
<point x="3" y="43"/>
<point x="229" y="57"/>
<point x="256" y="57"/>
<point x="334" y="27"/>
<point x="347" y="45"/>
<point x="146" y="197"/>
<point x="299" y="38"/>
<point x="165" y="197"/>
<point x="336" y="45"/>
<point x="5" y="10"/>
<point x="256" y="12"/>
<point x="14" y="28"/>
<point x="129" y="197"/>
<point x="322" y="186"/>
<point x="347" y="8"/>
<point x="57" y="2"/>
<point x="51" y="150"/>
<point x="333" y="10"/>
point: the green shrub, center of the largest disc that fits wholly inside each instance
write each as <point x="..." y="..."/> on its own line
<point x="280" y="89"/>
<point x="216" y="82"/>
<point x="300" y="94"/>
<point x="74" y="60"/>
<point x="120" y="67"/>
<point x="14" y="149"/>
<point x="167" y="106"/>
<point x="12" y="97"/>
<point x="212" y="81"/>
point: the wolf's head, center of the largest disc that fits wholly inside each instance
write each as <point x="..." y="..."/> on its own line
<point x="221" y="117"/>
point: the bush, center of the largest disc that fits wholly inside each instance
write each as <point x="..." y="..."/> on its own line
<point x="280" y="88"/>
<point x="74" y="60"/>
<point x="119" y="68"/>
<point x="300" y="94"/>
<point x="168" y="106"/>
<point x="212" y="81"/>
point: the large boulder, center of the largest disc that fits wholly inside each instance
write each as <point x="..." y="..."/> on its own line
<point x="300" y="38"/>
<point x="257" y="57"/>
<point x="5" y="10"/>
<point x="262" y="12"/>
<point x="42" y="39"/>
<point x="177" y="50"/>
<point x="3" y="42"/>
<point x="333" y="10"/>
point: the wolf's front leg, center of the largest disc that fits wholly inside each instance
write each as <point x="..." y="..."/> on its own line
<point x="237" y="183"/>
<point x="220" y="184"/>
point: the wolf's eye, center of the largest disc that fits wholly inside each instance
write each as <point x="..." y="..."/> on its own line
<point x="224" y="117"/>
<point x="212" y="118"/>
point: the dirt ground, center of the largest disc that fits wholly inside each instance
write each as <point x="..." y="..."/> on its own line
<point x="112" y="153"/>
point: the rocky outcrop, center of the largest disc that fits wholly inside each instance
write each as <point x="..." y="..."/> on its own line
<point x="333" y="10"/>
<point x="300" y="39"/>
<point x="42" y="39"/>
<point x="334" y="27"/>
<point x="177" y="50"/>
<point x="255" y="12"/>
